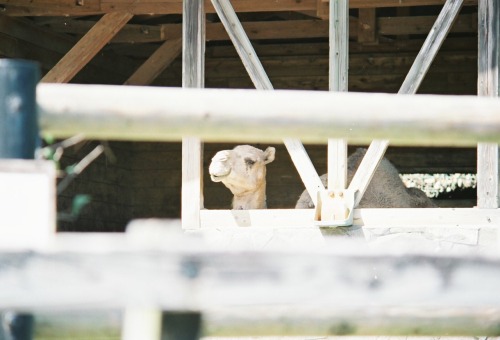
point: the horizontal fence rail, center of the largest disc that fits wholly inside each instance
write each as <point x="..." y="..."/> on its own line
<point x="167" y="114"/>
<point x="343" y="287"/>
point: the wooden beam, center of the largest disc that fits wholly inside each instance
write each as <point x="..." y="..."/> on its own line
<point x="193" y="76"/>
<point x="261" y="30"/>
<point x="87" y="47"/>
<point x="314" y="116"/>
<point x="367" y="25"/>
<point x="25" y="40"/>
<point x="431" y="46"/>
<point x="337" y="81"/>
<point x="488" y="189"/>
<point x="323" y="290"/>
<point x="175" y="6"/>
<point x="367" y="223"/>
<point x="156" y="63"/>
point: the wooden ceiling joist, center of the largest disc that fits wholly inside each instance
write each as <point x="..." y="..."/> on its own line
<point x="147" y="7"/>
<point x="291" y="29"/>
<point x="87" y="47"/>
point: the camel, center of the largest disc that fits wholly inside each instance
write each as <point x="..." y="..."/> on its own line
<point x="386" y="189"/>
<point x="243" y="171"/>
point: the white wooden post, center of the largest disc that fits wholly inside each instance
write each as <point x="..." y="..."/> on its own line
<point x="338" y="81"/>
<point x="261" y="81"/>
<point x="488" y="85"/>
<point x="193" y="76"/>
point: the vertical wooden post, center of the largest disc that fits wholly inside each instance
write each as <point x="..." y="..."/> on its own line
<point x="488" y="85"/>
<point x="19" y="138"/>
<point x="338" y="81"/>
<point x="193" y="76"/>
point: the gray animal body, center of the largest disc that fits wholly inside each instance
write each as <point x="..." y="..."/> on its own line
<point x="386" y="189"/>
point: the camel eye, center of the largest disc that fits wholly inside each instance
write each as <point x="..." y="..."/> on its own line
<point x="249" y="161"/>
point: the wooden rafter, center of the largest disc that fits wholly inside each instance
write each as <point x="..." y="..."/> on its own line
<point x="100" y="34"/>
<point x="156" y="63"/>
<point x="21" y="38"/>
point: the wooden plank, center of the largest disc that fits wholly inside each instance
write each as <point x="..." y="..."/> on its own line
<point x="175" y="7"/>
<point x="134" y="113"/>
<point x="373" y="219"/>
<point x="487" y="176"/>
<point x="39" y="43"/>
<point x="156" y="63"/>
<point x="366" y="169"/>
<point x="338" y="79"/>
<point x="339" y="45"/>
<point x="405" y="24"/>
<point x="260" y="30"/>
<point x="488" y="85"/>
<point x="87" y="47"/>
<point x="261" y="81"/>
<point x="367" y="25"/>
<point x="193" y="76"/>
<point x="242" y="44"/>
<point x="336" y="288"/>
<point x="431" y="46"/>
<point x="304" y="167"/>
<point x="337" y="163"/>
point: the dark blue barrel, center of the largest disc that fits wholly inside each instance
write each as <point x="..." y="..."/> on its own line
<point x="19" y="138"/>
<point x="19" y="134"/>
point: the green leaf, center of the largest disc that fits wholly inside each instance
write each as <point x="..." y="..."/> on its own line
<point x="79" y="202"/>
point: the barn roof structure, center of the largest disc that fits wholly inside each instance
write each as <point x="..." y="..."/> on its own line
<point x="131" y="42"/>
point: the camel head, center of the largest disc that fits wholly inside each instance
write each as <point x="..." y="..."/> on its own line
<point x="243" y="171"/>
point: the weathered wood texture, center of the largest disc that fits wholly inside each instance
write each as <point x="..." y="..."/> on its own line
<point x="349" y="288"/>
<point x="68" y="109"/>
<point x="193" y="76"/>
<point x="156" y="63"/>
<point x="21" y="38"/>
<point x="305" y="66"/>
<point x="488" y="85"/>
<point x="100" y="34"/>
<point x="431" y="46"/>
<point x="364" y="29"/>
<point x="36" y="8"/>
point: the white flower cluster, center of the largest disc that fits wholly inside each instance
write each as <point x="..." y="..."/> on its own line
<point x="435" y="184"/>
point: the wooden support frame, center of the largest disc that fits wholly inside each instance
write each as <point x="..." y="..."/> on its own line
<point x="261" y="81"/>
<point x="488" y="191"/>
<point x="412" y="82"/>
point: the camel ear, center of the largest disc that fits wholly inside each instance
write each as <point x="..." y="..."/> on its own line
<point x="269" y="155"/>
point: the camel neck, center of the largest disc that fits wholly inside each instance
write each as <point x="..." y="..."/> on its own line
<point x="251" y="200"/>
